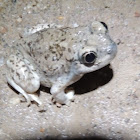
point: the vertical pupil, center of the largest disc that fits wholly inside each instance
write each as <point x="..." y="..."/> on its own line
<point x="90" y="57"/>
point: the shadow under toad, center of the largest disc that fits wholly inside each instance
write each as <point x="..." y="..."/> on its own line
<point x="93" y="80"/>
<point x="90" y="81"/>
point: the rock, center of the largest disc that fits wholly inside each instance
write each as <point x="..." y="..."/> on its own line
<point x="3" y="29"/>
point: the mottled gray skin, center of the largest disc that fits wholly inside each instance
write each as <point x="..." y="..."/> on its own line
<point x="55" y="58"/>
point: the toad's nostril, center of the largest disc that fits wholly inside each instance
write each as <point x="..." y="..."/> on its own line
<point x="109" y="50"/>
<point x="112" y="48"/>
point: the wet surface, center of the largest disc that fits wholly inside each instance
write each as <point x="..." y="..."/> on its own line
<point x="107" y="102"/>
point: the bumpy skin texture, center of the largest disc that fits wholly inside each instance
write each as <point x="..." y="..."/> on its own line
<point x="57" y="58"/>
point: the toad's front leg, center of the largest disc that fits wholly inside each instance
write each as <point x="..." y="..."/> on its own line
<point x="59" y="95"/>
<point x="22" y="77"/>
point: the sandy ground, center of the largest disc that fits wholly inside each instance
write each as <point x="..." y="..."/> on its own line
<point x="107" y="102"/>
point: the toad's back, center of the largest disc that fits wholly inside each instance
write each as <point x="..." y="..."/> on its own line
<point x="53" y="50"/>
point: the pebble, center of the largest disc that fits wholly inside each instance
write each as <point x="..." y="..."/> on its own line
<point x="137" y="14"/>
<point x="60" y="17"/>
<point x="3" y="30"/>
<point x="19" y="20"/>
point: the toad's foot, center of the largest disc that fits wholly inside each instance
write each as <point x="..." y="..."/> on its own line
<point x="19" y="89"/>
<point x="63" y="99"/>
<point x="35" y="98"/>
<point x="70" y="95"/>
<point x="28" y="97"/>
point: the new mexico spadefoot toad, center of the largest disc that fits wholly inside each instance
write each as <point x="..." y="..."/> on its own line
<point x="56" y="58"/>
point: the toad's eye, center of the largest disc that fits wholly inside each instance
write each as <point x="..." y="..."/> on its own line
<point x="104" y="24"/>
<point x="89" y="58"/>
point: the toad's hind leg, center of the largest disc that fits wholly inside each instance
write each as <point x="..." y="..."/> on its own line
<point x="23" y="77"/>
<point x="19" y="89"/>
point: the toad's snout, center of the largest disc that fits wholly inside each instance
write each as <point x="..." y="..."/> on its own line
<point x="112" y="49"/>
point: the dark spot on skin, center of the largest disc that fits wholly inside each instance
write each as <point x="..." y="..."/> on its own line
<point x="29" y="44"/>
<point x="29" y="53"/>
<point x="14" y="1"/>
<point x="63" y="39"/>
<point x="91" y="32"/>
<point x="18" y="61"/>
<point x="55" y="68"/>
<point x="33" y="55"/>
<point x="56" y="55"/>
<point x="30" y="72"/>
<point x="18" y="75"/>
<point x="70" y="60"/>
<point x="23" y="66"/>
<point x="12" y="70"/>
<point x="33" y="70"/>
<point x="46" y="57"/>
<point x="17" y="53"/>
<point x="50" y="48"/>
<point x="11" y="61"/>
<point x="69" y="50"/>
<point x="63" y="33"/>
<point x="63" y="48"/>
<point x="37" y="41"/>
<point x="32" y="77"/>
<point x="45" y="72"/>
<point x="62" y="65"/>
